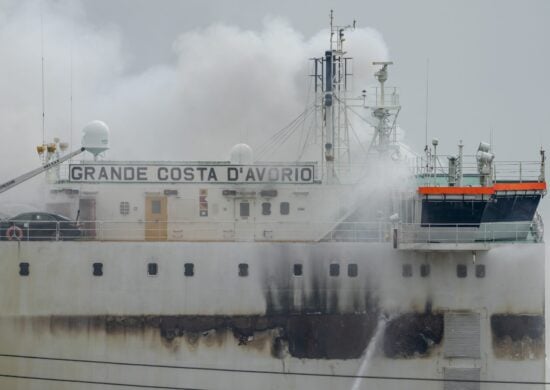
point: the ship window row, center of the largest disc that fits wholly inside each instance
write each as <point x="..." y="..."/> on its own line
<point x="334" y="270"/>
<point x="461" y="270"/>
<point x="189" y="269"/>
<point x="284" y="208"/>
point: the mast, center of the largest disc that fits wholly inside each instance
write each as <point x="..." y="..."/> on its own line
<point x="331" y="83"/>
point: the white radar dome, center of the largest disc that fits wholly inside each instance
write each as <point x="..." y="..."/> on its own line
<point x="241" y="154"/>
<point x="95" y="137"/>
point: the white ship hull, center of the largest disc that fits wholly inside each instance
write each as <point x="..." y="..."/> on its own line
<point x="61" y="327"/>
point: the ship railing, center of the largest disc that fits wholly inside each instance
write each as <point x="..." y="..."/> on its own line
<point x="373" y="97"/>
<point x="498" y="232"/>
<point x="517" y="171"/>
<point x="186" y="230"/>
<point x="294" y="231"/>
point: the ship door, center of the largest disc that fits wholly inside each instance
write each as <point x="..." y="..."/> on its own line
<point x="87" y="218"/>
<point x="156" y="218"/>
<point x="244" y="219"/>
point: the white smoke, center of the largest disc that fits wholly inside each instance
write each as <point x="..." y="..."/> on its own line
<point x="228" y="85"/>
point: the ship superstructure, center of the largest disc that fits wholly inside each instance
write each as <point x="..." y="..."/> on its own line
<point x="402" y="272"/>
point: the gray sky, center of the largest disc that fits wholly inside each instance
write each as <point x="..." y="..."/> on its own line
<point x="489" y="59"/>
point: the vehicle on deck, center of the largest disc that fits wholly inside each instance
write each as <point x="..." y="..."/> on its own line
<point x="39" y="226"/>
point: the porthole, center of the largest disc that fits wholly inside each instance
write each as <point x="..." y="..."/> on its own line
<point x="189" y="269"/>
<point x="425" y="270"/>
<point x="407" y="270"/>
<point x="334" y="270"/>
<point x="461" y="270"/>
<point x="98" y="269"/>
<point x="243" y="269"/>
<point x="353" y="271"/>
<point x="480" y="270"/>
<point x="24" y="269"/>
<point x="285" y="208"/>
<point x="152" y="269"/>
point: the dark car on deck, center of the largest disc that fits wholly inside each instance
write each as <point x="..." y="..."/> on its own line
<point x="39" y="226"/>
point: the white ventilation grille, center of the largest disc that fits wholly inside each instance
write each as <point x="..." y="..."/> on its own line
<point x="462" y="335"/>
<point x="461" y="374"/>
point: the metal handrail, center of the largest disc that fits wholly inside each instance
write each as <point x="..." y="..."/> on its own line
<point x="251" y="230"/>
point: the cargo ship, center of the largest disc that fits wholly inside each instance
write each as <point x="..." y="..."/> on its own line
<point x="378" y="269"/>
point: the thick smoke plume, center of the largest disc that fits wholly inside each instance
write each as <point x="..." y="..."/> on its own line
<point x="228" y="85"/>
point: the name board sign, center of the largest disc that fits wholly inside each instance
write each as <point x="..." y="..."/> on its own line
<point x="191" y="173"/>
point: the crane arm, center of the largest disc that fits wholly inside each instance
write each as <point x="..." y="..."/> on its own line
<point x="26" y="176"/>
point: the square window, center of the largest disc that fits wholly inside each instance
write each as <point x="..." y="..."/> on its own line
<point x="155" y="206"/>
<point x="334" y="270"/>
<point x="425" y="270"/>
<point x="353" y="271"/>
<point x="298" y="270"/>
<point x="266" y="208"/>
<point x="480" y="270"/>
<point x="124" y="208"/>
<point x="285" y="208"/>
<point x="245" y="209"/>
<point x="189" y="269"/>
<point x="243" y="269"/>
<point x="407" y="270"/>
<point x="461" y="270"/>
<point x="24" y="269"/>
<point x="152" y="269"/>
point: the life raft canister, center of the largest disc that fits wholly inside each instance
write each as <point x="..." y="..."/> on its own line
<point x="14" y="233"/>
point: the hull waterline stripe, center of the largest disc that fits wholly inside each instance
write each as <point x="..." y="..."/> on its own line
<point x="343" y="376"/>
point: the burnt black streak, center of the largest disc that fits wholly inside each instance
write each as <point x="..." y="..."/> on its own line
<point x="517" y="326"/>
<point x="309" y="336"/>
<point x="413" y="335"/>
<point x="343" y="336"/>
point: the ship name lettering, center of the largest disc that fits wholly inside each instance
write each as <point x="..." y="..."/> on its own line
<point x="232" y="174"/>
<point x="204" y="173"/>
<point x="142" y="173"/>
<point x="188" y="174"/>
<point x="103" y="174"/>
<point x="287" y="173"/>
<point x="76" y="173"/>
<point x="306" y="174"/>
<point x="212" y="175"/>
<point x="162" y="173"/>
<point x="129" y="173"/>
<point x="89" y="173"/>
